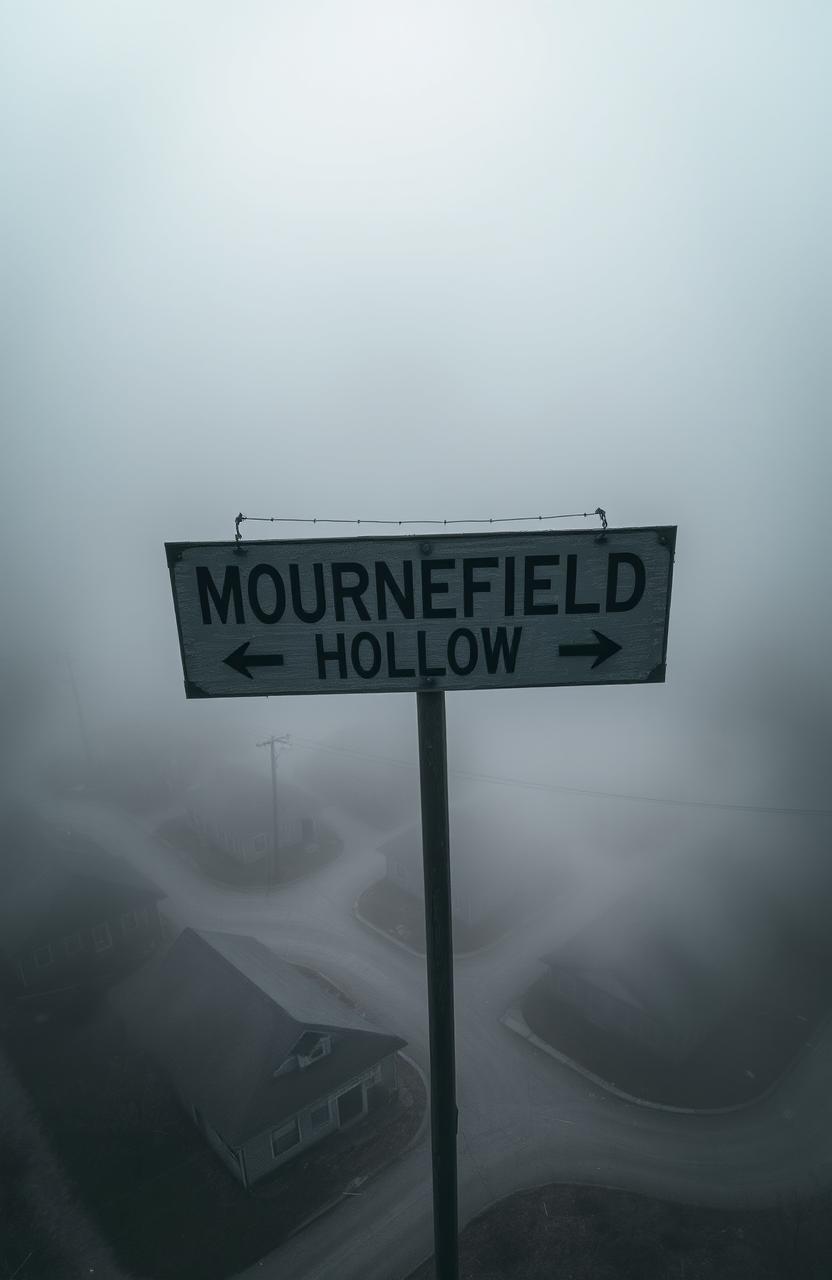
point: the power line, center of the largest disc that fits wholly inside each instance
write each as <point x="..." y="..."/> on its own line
<point x="567" y="515"/>
<point x="526" y="784"/>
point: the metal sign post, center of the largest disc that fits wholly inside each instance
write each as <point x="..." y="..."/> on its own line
<point x="433" y="776"/>
<point x="404" y="614"/>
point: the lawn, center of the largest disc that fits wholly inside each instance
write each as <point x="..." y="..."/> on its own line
<point x="402" y="917"/>
<point x="747" y="1051"/>
<point x="293" y="861"/>
<point x="590" y="1233"/>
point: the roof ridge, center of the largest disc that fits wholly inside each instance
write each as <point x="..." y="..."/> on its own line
<point x="240" y="973"/>
<point x="266" y="1067"/>
<point x="264" y="995"/>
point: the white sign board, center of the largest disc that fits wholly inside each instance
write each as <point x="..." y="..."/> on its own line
<point x="378" y="615"/>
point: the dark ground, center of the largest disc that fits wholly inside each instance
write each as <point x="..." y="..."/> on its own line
<point x="161" y="1198"/>
<point x="44" y="1233"/>
<point x="402" y="917"/>
<point x="589" y="1233"/>
<point x="293" y="863"/>
<point x="746" y="1053"/>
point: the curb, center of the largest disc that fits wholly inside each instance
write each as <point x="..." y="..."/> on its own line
<point x="513" y="1019"/>
<point x="418" y="1135"/>
<point x="382" y="933"/>
<point x="404" y="946"/>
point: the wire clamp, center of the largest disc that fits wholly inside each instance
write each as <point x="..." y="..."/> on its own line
<point x="238" y="537"/>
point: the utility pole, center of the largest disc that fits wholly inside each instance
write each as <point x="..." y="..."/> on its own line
<point x="433" y="771"/>
<point x="271" y="743"/>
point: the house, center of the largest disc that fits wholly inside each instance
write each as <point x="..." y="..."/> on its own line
<point x="499" y="851"/>
<point x="663" y="966"/>
<point x="267" y="1059"/>
<point x="232" y="807"/>
<point x="70" y="914"/>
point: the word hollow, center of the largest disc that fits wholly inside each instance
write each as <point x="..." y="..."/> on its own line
<point x="367" y="654"/>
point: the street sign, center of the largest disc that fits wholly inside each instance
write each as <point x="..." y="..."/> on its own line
<point x="447" y="612"/>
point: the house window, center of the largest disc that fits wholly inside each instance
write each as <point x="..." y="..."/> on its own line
<point x="101" y="937"/>
<point x="319" y="1116"/>
<point x="43" y="957"/>
<point x="285" y="1138"/>
<point x="72" y="944"/>
<point x="129" y="922"/>
<point x="260" y="843"/>
<point x="312" y="1047"/>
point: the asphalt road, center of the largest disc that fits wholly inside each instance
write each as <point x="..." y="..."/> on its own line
<point x="525" y="1119"/>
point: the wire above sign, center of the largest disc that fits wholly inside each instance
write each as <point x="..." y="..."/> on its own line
<point x="455" y="611"/>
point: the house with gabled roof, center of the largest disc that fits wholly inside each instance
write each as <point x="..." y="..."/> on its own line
<point x="266" y="1058"/>
<point x="232" y="807"/>
<point x="72" y="915"/>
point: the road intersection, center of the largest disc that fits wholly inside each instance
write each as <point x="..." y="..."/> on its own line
<point x="525" y="1119"/>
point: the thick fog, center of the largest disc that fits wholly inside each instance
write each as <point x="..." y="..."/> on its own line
<point x="435" y="261"/>
<point x="445" y="262"/>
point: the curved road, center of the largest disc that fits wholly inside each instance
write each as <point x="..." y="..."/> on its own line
<point x="524" y="1118"/>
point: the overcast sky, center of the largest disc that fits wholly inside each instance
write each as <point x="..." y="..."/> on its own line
<point x="430" y="260"/>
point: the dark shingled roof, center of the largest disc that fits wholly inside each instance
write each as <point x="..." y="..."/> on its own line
<point x="221" y="1013"/>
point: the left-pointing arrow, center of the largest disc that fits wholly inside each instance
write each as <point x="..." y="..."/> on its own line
<point x="241" y="661"/>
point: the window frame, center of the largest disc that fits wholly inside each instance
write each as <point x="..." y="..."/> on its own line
<point x="320" y="1124"/>
<point x="320" y="1049"/>
<point x="291" y="1127"/>
<point x="44" y="964"/>
<point x="77" y="944"/>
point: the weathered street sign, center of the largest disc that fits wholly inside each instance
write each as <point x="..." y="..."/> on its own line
<point x="467" y="611"/>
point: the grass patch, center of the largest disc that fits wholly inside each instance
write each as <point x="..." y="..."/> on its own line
<point x="738" y="1060"/>
<point x="402" y="917"/>
<point x="589" y="1233"/>
<point x="294" y="862"/>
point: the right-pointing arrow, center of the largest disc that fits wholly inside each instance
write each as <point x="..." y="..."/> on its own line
<point x="604" y="649"/>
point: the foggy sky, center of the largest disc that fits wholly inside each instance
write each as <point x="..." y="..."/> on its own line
<point x="435" y="260"/>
